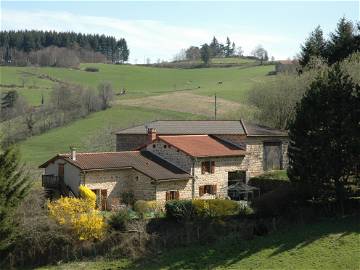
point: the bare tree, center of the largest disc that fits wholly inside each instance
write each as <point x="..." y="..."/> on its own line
<point x="106" y="94"/>
<point x="260" y="53"/>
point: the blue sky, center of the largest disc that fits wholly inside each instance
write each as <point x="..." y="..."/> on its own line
<point x="158" y="30"/>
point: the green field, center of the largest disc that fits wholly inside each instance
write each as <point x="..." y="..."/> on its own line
<point x="140" y="81"/>
<point x="331" y="244"/>
<point x="152" y="93"/>
<point x="38" y="149"/>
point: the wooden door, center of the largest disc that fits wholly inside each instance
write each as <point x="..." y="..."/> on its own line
<point x="103" y="199"/>
<point x="61" y="171"/>
<point x="272" y="156"/>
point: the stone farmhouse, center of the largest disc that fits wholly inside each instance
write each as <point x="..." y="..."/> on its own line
<point x="167" y="160"/>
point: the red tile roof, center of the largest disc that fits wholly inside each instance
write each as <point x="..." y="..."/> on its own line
<point x="145" y="162"/>
<point x="202" y="146"/>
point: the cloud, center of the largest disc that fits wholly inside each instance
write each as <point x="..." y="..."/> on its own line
<point x="146" y="38"/>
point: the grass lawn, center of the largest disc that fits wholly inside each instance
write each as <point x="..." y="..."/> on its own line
<point x="142" y="81"/>
<point x="330" y="244"/>
<point x="38" y="149"/>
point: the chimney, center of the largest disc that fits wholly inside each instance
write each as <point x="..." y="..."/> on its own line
<point x="151" y="135"/>
<point x="73" y="152"/>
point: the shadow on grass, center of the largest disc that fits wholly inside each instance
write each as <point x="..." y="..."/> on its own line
<point x="229" y="252"/>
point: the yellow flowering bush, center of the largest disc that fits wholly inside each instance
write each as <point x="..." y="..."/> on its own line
<point x="87" y="193"/>
<point x="215" y="207"/>
<point x="79" y="215"/>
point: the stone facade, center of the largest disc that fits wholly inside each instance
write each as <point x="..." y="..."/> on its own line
<point x="223" y="165"/>
<point x="183" y="186"/>
<point x="172" y="155"/>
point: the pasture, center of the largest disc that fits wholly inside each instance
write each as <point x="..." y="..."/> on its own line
<point x="329" y="244"/>
<point x="151" y="93"/>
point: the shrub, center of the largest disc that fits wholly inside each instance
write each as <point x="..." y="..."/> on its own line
<point x="118" y="221"/>
<point x="128" y="198"/>
<point x="144" y="208"/>
<point x="278" y="202"/>
<point x="92" y="69"/>
<point x="245" y="210"/>
<point x="215" y="208"/>
<point x="79" y="215"/>
<point x="180" y="209"/>
<point x="87" y="193"/>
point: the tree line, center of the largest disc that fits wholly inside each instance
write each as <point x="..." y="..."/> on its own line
<point x="340" y="44"/>
<point x="217" y="49"/>
<point x="115" y="50"/>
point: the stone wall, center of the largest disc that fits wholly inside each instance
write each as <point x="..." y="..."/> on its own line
<point x="117" y="182"/>
<point x="128" y="142"/>
<point x="183" y="186"/>
<point x="172" y="155"/>
<point x="223" y="166"/>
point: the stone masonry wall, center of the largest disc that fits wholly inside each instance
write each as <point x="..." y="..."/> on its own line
<point x="220" y="176"/>
<point x="183" y="186"/>
<point x="128" y="142"/>
<point x="172" y="155"/>
<point x="117" y="182"/>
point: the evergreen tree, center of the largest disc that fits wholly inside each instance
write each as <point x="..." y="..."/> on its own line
<point x="343" y="42"/>
<point x="214" y="47"/>
<point x="228" y="47"/>
<point x="314" y="46"/>
<point x="14" y="185"/>
<point x="205" y="53"/>
<point x="324" y="145"/>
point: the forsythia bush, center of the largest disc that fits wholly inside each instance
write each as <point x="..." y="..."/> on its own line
<point x="80" y="216"/>
<point x="86" y="193"/>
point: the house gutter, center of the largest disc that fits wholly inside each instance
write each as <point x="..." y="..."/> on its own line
<point x="193" y="179"/>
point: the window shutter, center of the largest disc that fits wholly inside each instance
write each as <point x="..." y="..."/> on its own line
<point x="201" y="191"/>
<point x="212" y="167"/>
<point x="177" y="195"/>
<point x="202" y="167"/>
<point x="167" y="195"/>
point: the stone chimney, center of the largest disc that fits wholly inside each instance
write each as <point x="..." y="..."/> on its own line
<point x="73" y="153"/>
<point x="151" y="135"/>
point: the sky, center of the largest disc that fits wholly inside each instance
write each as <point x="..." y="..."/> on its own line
<point x="160" y="29"/>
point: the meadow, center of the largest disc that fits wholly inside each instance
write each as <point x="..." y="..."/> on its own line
<point x="151" y="94"/>
<point x="329" y="244"/>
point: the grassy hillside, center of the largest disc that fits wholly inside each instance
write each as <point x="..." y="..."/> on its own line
<point x="331" y="244"/>
<point x="152" y="93"/>
<point x="38" y="149"/>
<point x="140" y="81"/>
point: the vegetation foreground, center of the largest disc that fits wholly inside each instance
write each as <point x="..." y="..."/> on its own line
<point x="330" y="244"/>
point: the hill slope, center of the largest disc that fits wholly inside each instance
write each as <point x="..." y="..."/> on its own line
<point x="331" y="244"/>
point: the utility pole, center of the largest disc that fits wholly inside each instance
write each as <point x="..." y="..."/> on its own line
<point x="215" y="106"/>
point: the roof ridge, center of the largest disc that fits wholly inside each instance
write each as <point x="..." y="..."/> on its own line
<point x="105" y="152"/>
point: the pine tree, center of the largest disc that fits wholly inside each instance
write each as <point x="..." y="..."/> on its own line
<point x="228" y="47"/>
<point x="324" y="145"/>
<point x="342" y="43"/>
<point x="14" y="185"/>
<point x="214" y="47"/>
<point x="315" y="46"/>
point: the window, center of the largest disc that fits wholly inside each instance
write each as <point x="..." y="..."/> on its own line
<point x="172" y="195"/>
<point x="154" y="145"/>
<point x="209" y="189"/>
<point x="165" y="145"/>
<point x="207" y="167"/>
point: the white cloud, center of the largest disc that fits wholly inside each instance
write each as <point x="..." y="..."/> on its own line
<point x="146" y="38"/>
